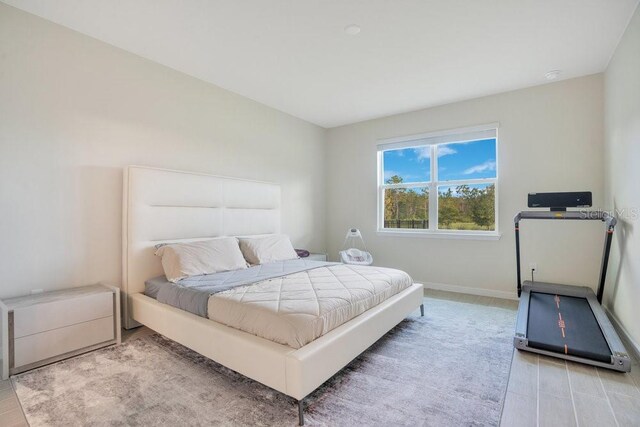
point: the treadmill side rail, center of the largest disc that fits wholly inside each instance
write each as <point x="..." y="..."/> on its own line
<point x="619" y="355"/>
<point x="522" y="320"/>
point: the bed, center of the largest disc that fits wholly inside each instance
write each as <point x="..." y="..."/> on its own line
<point x="166" y="206"/>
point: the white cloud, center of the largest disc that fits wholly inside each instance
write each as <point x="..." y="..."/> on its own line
<point x="489" y="165"/>
<point x="445" y="150"/>
<point x="423" y="153"/>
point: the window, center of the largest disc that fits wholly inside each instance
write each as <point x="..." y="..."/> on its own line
<point x="443" y="183"/>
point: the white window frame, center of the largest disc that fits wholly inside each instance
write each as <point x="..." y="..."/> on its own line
<point x="432" y="140"/>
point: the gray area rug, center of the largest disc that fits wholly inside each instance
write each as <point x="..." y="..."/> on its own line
<point x="449" y="368"/>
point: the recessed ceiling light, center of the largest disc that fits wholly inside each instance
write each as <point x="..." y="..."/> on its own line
<point x="352" y="29"/>
<point x="552" y="75"/>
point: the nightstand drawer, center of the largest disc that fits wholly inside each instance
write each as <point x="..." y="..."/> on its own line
<point x="57" y="314"/>
<point x="36" y="347"/>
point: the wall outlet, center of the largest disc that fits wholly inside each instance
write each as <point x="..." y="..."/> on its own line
<point x="36" y="291"/>
<point x="533" y="266"/>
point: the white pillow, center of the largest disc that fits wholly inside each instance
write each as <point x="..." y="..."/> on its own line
<point x="180" y="260"/>
<point x="260" y="250"/>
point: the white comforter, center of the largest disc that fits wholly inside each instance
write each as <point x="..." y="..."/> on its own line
<point x="296" y="309"/>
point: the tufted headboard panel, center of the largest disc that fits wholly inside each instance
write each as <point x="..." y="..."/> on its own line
<point x="161" y="205"/>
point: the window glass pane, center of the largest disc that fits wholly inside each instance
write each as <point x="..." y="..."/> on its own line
<point x="407" y="165"/>
<point x="467" y="207"/>
<point x="406" y="208"/>
<point x="467" y="160"/>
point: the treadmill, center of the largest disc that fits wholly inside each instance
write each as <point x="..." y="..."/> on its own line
<point x="565" y="321"/>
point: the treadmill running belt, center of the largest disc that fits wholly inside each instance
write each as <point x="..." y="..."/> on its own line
<point x="552" y="316"/>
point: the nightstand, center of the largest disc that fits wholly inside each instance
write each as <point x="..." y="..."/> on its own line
<point x="47" y="327"/>
<point x="317" y="257"/>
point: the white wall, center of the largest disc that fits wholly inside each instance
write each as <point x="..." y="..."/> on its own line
<point x="550" y="139"/>
<point x="622" y="177"/>
<point x="74" y="111"/>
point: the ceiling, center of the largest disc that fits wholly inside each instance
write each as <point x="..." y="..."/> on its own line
<point x="295" y="56"/>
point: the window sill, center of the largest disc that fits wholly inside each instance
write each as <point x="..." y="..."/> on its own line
<point x="461" y="235"/>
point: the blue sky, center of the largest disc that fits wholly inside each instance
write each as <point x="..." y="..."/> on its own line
<point x="466" y="160"/>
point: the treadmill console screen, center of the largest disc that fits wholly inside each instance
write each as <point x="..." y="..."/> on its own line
<point x="557" y="201"/>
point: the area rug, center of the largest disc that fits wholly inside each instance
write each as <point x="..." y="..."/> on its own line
<point x="449" y="368"/>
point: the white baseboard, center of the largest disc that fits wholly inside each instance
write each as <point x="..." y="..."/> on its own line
<point x="472" y="291"/>
<point x="626" y="338"/>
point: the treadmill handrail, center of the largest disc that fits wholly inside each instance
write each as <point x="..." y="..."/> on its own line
<point x="609" y="219"/>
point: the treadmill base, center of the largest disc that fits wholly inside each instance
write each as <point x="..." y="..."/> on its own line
<point x="620" y="364"/>
<point x="620" y="360"/>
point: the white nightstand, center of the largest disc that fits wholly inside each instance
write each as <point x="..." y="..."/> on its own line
<point x="317" y="257"/>
<point x="50" y="326"/>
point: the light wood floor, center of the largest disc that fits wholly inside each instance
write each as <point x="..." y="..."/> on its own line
<point x="545" y="391"/>
<point x="10" y="410"/>
<point x="542" y="391"/>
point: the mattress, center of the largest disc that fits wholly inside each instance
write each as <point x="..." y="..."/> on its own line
<point x="296" y="307"/>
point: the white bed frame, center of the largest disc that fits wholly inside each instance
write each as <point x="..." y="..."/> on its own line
<point x="162" y="205"/>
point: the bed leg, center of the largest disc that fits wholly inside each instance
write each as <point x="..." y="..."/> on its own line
<point x="422" y="310"/>
<point x="301" y="412"/>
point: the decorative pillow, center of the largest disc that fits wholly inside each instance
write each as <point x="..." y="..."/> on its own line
<point x="260" y="250"/>
<point x="180" y="260"/>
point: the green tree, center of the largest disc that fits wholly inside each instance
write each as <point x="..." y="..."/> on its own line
<point x="478" y="204"/>
<point x="425" y="201"/>
<point x="483" y="209"/>
<point x="393" y="198"/>
<point x="448" y="210"/>
<point x="466" y="199"/>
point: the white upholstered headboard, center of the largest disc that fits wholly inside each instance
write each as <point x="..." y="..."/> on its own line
<point x="161" y="205"/>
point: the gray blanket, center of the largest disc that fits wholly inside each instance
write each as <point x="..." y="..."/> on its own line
<point x="192" y="294"/>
